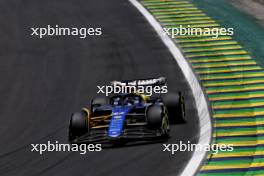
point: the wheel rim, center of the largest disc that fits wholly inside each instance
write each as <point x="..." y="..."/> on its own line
<point x="182" y="109"/>
<point x="165" y="124"/>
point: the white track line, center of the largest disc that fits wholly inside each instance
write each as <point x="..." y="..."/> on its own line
<point x="200" y="100"/>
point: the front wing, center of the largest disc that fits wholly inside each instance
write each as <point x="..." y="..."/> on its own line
<point x="131" y="134"/>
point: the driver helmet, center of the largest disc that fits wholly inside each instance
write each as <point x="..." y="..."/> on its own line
<point x="117" y="101"/>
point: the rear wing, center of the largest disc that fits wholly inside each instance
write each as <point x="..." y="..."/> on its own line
<point x="161" y="81"/>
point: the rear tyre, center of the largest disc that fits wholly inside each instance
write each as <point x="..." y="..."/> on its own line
<point x="175" y="107"/>
<point x="99" y="101"/>
<point x="78" y="125"/>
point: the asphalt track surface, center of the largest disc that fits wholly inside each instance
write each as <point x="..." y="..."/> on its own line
<point x="44" y="80"/>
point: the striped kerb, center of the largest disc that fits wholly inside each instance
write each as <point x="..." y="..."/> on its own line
<point x="234" y="83"/>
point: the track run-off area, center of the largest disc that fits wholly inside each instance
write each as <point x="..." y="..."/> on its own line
<point x="233" y="82"/>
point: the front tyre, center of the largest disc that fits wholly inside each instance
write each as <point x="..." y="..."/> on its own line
<point x="158" y="119"/>
<point x="78" y="125"/>
<point x="176" y="107"/>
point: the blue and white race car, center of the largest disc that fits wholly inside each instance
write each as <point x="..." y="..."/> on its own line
<point x="128" y="116"/>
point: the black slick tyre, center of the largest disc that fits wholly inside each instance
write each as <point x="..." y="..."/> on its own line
<point x="78" y="125"/>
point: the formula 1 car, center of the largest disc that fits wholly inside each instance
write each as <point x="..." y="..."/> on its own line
<point x="128" y="116"/>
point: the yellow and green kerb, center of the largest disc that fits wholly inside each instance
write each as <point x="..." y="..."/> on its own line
<point x="234" y="83"/>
